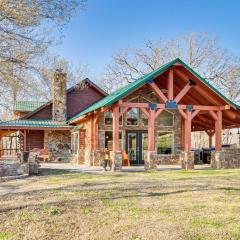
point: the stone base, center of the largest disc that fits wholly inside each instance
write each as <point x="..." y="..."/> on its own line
<point x="116" y="158"/>
<point x="187" y="160"/>
<point x="96" y="157"/>
<point x="13" y="169"/>
<point x="150" y="160"/>
<point x="227" y="158"/>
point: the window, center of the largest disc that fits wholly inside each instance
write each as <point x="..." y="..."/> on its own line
<point x="132" y="116"/>
<point x="165" y="119"/>
<point x="74" y="142"/>
<point x="108" y="118"/>
<point x="164" y="142"/>
<point x="109" y="140"/>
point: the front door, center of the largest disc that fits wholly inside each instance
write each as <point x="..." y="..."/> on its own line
<point x="136" y="144"/>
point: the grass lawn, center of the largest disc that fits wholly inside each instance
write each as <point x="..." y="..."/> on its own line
<point x="199" y="204"/>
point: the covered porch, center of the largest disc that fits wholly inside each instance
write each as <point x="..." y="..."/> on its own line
<point x="177" y="89"/>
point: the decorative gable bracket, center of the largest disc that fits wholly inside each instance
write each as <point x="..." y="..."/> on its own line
<point x="171" y="104"/>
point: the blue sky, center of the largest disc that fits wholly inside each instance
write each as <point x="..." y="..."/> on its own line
<point x="94" y="35"/>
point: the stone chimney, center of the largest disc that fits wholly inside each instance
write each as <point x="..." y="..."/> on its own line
<point x="59" y="96"/>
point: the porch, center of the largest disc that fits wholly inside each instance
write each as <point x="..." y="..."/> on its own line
<point x="174" y="88"/>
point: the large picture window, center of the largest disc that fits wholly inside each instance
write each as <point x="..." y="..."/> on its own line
<point x="165" y="119"/>
<point x="132" y="117"/>
<point x="164" y="142"/>
<point x="74" y="142"/>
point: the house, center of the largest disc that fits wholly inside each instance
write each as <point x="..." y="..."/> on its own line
<point x="44" y="125"/>
<point x="150" y="120"/>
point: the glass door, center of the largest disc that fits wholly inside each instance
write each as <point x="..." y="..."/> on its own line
<point x="136" y="143"/>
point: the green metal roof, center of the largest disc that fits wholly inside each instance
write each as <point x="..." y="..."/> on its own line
<point x="116" y="95"/>
<point x="27" y="106"/>
<point x="34" y="123"/>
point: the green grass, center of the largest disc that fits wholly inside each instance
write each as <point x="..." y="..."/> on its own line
<point x="198" y="204"/>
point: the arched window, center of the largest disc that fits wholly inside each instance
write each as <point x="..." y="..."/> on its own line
<point x="165" y="119"/>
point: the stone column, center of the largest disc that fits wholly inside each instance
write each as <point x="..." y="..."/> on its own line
<point x="116" y="158"/>
<point x="218" y="159"/>
<point x="187" y="160"/>
<point x="59" y="96"/>
<point x="150" y="160"/>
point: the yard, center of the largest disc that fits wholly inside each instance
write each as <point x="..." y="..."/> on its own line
<point x="199" y="204"/>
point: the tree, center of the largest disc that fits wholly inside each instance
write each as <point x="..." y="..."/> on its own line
<point x="27" y="29"/>
<point x="198" y="50"/>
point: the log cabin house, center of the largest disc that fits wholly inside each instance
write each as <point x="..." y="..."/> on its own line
<point x="150" y="120"/>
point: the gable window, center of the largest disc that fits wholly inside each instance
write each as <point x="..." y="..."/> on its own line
<point x="165" y="119"/>
<point x="164" y="142"/>
<point x="132" y="117"/>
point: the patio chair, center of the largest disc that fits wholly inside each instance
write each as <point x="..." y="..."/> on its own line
<point x="125" y="159"/>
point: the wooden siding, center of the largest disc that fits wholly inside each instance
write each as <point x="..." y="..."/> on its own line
<point x="35" y="139"/>
<point x="78" y="99"/>
<point x="44" y="113"/>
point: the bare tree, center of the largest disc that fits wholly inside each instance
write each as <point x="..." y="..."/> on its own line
<point x="198" y="50"/>
<point x="27" y="29"/>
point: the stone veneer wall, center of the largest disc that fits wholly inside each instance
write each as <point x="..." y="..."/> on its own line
<point x="59" y="144"/>
<point x="13" y="169"/>
<point x="227" y="158"/>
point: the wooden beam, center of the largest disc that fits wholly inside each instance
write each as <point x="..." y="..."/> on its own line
<point x="213" y="108"/>
<point x="183" y="92"/>
<point x="218" y="131"/>
<point x="25" y="140"/>
<point x="183" y="114"/>
<point x="158" y="112"/>
<point x="157" y="90"/>
<point x="115" y="128"/>
<point x="195" y="113"/>
<point x="170" y="85"/>
<point x="123" y="110"/>
<point x="151" y="130"/>
<point x="145" y="111"/>
<point x="182" y="133"/>
<point x="214" y="115"/>
<point x="95" y="131"/>
<point x="188" y="129"/>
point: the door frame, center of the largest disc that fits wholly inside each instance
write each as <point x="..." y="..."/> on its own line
<point x="139" y="149"/>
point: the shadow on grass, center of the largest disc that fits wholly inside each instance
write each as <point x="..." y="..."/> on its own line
<point x="50" y="171"/>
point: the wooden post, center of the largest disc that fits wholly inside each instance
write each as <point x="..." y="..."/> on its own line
<point x="95" y="131"/>
<point x="115" y="128"/>
<point x="25" y="140"/>
<point x="210" y="134"/>
<point x="188" y="128"/>
<point x="183" y="133"/>
<point x="170" y="85"/>
<point x="151" y="130"/>
<point x="218" y="131"/>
